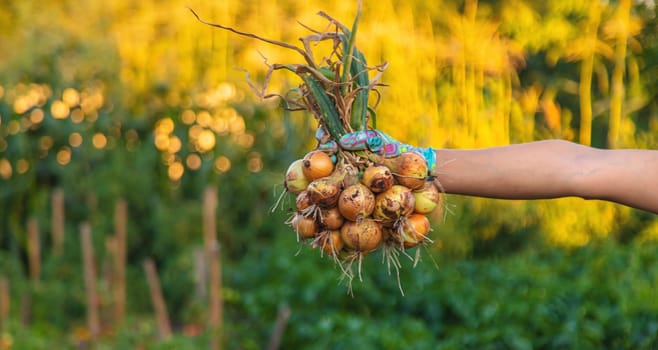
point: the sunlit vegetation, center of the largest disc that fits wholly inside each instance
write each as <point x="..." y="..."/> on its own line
<point x="138" y="101"/>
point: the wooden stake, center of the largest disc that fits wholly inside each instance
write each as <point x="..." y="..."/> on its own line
<point x="4" y="304"/>
<point x="57" y="202"/>
<point x="162" y="316"/>
<point x="34" y="250"/>
<point x="214" y="262"/>
<point x="279" y="327"/>
<point x="209" y="212"/>
<point x="200" y="274"/>
<point x="93" y="321"/>
<point x="119" y="280"/>
<point x="216" y="300"/>
<point x="26" y="310"/>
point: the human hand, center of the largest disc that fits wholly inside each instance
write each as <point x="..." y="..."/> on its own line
<point x="377" y="142"/>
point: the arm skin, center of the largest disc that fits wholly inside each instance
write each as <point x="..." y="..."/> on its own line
<point x="552" y="169"/>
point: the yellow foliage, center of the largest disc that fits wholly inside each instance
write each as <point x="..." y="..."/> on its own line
<point x="452" y="79"/>
<point x="574" y="222"/>
<point x="649" y="234"/>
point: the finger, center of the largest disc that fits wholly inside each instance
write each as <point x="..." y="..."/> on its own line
<point x="376" y="141"/>
<point x="387" y="145"/>
<point x="389" y="150"/>
<point x="330" y="147"/>
<point x="322" y="135"/>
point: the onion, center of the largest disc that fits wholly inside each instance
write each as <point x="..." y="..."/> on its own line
<point x="377" y="178"/>
<point x="303" y="201"/>
<point x="427" y="198"/>
<point x="331" y="219"/>
<point x="356" y="202"/>
<point x="413" y="230"/>
<point x="296" y="181"/>
<point x="330" y="242"/>
<point x="393" y="204"/>
<point x="362" y="236"/>
<point x="306" y="227"/>
<point x="317" y="164"/>
<point x="410" y="170"/>
<point x="324" y="191"/>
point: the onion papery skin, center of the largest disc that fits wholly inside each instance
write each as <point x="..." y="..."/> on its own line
<point x="393" y="204"/>
<point x="296" y="181"/>
<point x="317" y="164"/>
<point x="410" y="170"/>
<point x="306" y="227"/>
<point x="324" y="191"/>
<point x="427" y="198"/>
<point x="412" y="230"/>
<point x="331" y="218"/>
<point x="378" y="178"/>
<point x="362" y="236"/>
<point x="356" y="202"/>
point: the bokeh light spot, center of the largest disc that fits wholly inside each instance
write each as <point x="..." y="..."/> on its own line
<point x="71" y="97"/>
<point x="5" y="169"/>
<point x="22" y="105"/>
<point x="194" y="131"/>
<point x="59" y="110"/>
<point x="164" y="126"/>
<point x="99" y="140"/>
<point x="64" y="156"/>
<point x="222" y="164"/>
<point x="175" y="144"/>
<point x="22" y="166"/>
<point x="193" y="161"/>
<point x="75" y="139"/>
<point x="226" y="91"/>
<point x="77" y="116"/>
<point x="204" y="118"/>
<point x="161" y="141"/>
<point x="219" y="125"/>
<point x="175" y="171"/>
<point x="188" y="117"/>
<point x="245" y="140"/>
<point x="205" y="140"/>
<point x="91" y="101"/>
<point x="36" y="116"/>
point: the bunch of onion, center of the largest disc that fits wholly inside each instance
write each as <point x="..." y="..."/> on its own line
<point x="348" y="211"/>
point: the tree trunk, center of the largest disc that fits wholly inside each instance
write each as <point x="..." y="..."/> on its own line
<point x="617" y="98"/>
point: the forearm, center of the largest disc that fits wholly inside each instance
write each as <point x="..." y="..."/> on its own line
<point x="551" y="169"/>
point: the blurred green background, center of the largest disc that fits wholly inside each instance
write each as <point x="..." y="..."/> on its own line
<point x="136" y="102"/>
